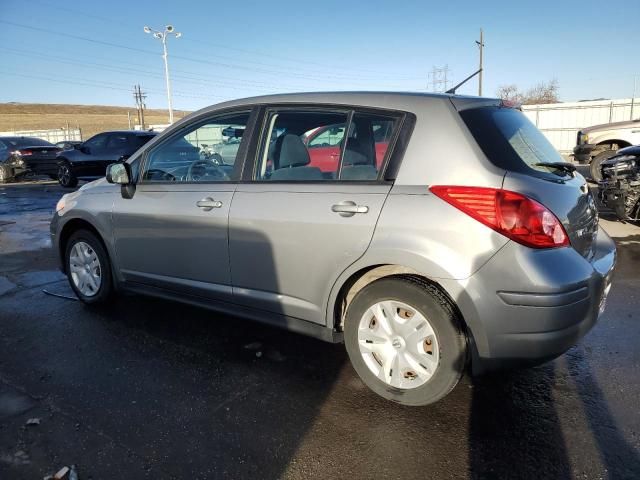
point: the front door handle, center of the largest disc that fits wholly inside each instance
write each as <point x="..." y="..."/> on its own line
<point x="349" y="209"/>
<point x="208" y="203"/>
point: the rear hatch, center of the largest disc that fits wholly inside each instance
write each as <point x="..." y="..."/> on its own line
<point x="511" y="142"/>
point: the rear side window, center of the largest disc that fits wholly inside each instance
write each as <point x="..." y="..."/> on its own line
<point x="318" y="145"/>
<point x="139" y="140"/>
<point x="510" y="141"/>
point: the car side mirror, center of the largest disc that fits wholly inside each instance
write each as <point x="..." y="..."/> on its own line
<point x="76" y="146"/>
<point x="85" y="150"/>
<point x="119" y="174"/>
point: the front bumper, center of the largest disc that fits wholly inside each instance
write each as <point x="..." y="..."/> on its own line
<point x="527" y="306"/>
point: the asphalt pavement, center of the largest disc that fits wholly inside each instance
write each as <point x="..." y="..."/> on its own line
<point x="153" y="389"/>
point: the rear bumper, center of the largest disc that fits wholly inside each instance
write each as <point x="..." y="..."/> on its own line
<point x="525" y="306"/>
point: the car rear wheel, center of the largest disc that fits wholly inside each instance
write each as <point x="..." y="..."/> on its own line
<point x="6" y="173"/>
<point x="405" y="341"/>
<point x="66" y="178"/>
<point x="594" y="168"/>
<point x="88" y="268"/>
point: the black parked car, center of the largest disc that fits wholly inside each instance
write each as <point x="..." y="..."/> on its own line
<point x="89" y="160"/>
<point x="22" y="155"/>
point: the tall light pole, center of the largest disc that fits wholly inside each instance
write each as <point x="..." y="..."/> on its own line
<point x="168" y="31"/>
<point x="481" y="46"/>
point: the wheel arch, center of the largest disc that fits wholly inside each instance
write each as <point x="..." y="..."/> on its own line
<point x="72" y="226"/>
<point x="613" y="141"/>
<point x="367" y="275"/>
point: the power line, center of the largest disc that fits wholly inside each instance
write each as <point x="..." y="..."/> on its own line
<point x="320" y="76"/>
<point x="365" y="72"/>
<point x="190" y="77"/>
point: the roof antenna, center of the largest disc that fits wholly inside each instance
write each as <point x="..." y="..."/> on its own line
<point x="453" y="90"/>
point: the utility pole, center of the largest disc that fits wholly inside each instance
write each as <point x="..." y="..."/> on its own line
<point x="162" y="36"/>
<point x="439" y="79"/>
<point x="481" y="46"/>
<point x="140" y="97"/>
<point x="633" y="97"/>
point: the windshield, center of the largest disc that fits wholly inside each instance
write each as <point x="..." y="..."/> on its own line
<point x="511" y="141"/>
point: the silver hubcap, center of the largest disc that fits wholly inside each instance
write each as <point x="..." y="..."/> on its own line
<point x="398" y="344"/>
<point x="85" y="269"/>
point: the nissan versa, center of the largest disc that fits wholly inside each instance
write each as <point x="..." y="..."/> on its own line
<point x="469" y="245"/>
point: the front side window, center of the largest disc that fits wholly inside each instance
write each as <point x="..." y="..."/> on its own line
<point x="97" y="141"/>
<point x="206" y="152"/>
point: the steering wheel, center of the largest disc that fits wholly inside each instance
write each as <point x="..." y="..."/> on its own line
<point x="208" y="165"/>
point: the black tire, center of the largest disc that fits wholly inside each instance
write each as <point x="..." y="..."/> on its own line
<point x="594" y="167"/>
<point x="6" y="173"/>
<point x="435" y="307"/>
<point x="106" y="286"/>
<point x="66" y="177"/>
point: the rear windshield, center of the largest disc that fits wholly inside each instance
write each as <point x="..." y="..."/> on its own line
<point x="511" y="141"/>
<point x="26" y="142"/>
<point x="140" y="140"/>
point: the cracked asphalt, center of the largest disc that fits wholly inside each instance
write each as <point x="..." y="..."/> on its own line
<point x="152" y="389"/>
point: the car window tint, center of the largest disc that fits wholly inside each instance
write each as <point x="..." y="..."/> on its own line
<point x="97" y="141"/>
<point x="118" y="141"/>
<point x="330" y="136"/>
<point x="204" y="153"/>
<point x="138" y="141"/>
<point x="3" y="147"/>
<point x="366" y="148"/>
<point x="285" y="153"/>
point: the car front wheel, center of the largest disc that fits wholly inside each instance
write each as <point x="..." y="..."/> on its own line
<point x="405" y="340"/>
<point x="66" y="178"/>
<point x="88" y="268"/>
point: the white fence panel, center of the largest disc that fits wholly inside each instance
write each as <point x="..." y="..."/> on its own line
<point x="53" y="135"/>
<point x="560" y="122"/>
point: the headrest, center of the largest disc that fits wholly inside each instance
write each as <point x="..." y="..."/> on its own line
<point x="290" y="151"/>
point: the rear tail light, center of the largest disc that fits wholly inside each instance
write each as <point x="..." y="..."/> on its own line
<point x="24" y="153"/>
<point x="512" y="214"/>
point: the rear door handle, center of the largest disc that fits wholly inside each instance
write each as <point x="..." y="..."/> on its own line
<point x="208" y="203"/>
<point x="349" y="209"/>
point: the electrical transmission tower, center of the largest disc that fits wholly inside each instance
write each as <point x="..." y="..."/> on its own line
<point x="439" y="79"/>
<point x="140" y="97"/>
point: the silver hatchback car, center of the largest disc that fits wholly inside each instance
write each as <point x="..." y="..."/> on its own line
<point x="429" y="233"/>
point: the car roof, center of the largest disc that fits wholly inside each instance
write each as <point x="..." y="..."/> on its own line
<point x="408" y="101"/>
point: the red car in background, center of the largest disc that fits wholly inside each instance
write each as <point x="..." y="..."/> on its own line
<point x="323" y="145"/>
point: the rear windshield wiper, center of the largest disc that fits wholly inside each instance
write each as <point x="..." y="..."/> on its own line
<point x="565" y="166"/>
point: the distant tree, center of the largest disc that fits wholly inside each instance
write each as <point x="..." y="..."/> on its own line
<point x="540" y="93"/>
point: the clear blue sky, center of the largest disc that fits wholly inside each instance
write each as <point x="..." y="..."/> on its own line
<point x="232" y="49"/>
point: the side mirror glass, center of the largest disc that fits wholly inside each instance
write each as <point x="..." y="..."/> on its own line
<point x="118" y="173"/>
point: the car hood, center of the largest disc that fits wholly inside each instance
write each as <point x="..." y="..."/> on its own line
<point x="633" y="150"/>
<point x="611" y="126"/>
<point x="95" y="186"/>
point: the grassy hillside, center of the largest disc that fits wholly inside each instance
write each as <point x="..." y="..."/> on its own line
<point x="90" y="118"/>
